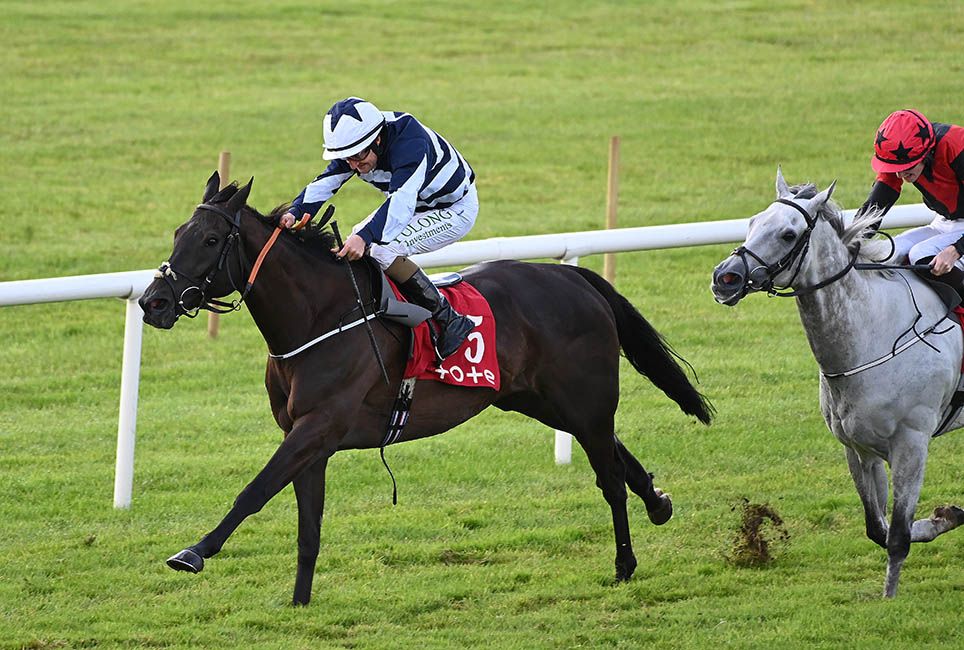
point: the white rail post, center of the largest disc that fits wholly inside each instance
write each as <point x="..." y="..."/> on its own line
<point x="127" y="422"/>
<point x="563" y="439"/>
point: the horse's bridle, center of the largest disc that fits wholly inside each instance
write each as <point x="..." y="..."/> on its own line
<point x="796" y="254"/>
<point x="168" y="273"/>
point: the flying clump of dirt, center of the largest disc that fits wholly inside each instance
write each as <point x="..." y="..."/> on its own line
<point x="761" y="531"/>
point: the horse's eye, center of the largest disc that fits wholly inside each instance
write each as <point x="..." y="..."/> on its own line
<point x="211" y="241"/>
<point x="789" y="236"/>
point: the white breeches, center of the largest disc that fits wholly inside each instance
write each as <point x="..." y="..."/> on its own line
<point x="428" y="231"/>
<point x="929" y="240"/>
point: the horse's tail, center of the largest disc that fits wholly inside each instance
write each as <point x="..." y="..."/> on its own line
<point x="649" y="353"/>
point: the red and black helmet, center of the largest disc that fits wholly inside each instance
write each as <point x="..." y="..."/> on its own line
<point x="902" y="141"/>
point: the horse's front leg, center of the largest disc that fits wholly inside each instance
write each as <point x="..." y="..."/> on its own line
<point x="302" y="447"/>
<point x="310" y="492"/>
<point x="907" y="460"/>
<point x="870" y="479"/>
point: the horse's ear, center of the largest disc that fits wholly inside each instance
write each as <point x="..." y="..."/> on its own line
<point x="783" y="190"/>
<point x="214" y="184"/>
<point x="240" y="198"/>
<point x="819" y="200"/>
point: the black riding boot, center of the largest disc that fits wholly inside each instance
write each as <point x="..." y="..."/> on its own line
<point x="954" y="278"/>
<point x="453" y="327"/>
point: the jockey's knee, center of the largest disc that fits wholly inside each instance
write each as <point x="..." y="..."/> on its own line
<point x="401" y="269"/>
<point x="921" y="253"/>
<point x="384" y="256"/>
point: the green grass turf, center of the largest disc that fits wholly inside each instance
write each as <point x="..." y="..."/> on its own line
<point x="113" y="117"/>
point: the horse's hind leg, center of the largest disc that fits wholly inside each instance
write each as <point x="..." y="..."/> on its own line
<point x="598" y="442"/>
<point x="590" y="420"/>
<point x="310" y="492"/>
<point x="659" y="507"/>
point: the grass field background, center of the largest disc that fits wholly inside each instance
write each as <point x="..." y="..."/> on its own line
<point x="113" y="117"/>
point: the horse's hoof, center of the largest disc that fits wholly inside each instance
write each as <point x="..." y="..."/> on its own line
<point x="952" y="514"/>
<point x="664" y="512"/>
<point x="186" y="560"/>
<point x="625" y="570"/>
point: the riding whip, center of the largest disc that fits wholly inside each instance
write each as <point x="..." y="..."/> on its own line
<point x="361" y="305"/>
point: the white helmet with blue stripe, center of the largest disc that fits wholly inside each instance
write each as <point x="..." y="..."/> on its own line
<point x="351" y="125"/>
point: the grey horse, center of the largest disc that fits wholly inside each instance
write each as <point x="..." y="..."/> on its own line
<point x="889" y="358"/>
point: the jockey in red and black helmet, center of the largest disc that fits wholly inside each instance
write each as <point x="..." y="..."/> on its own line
<point x="930" y="155"/>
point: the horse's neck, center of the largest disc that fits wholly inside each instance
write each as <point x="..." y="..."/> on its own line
<point x="289" y="297"/>
<point x="846" y="319"/>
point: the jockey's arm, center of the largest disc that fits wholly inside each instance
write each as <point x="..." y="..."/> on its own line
<point x="883" y="195"/>
<point x="317" y="192"/>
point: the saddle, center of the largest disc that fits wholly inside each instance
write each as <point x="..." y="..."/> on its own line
<point x="952" y="298"/>
<point x="957" y="400"/>
<point x="948" y="294"/>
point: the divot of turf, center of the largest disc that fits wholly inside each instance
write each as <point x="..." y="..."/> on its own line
<point x="761" y="530"/>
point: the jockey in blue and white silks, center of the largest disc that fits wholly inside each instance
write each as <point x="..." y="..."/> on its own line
<point x="431" y="199"/>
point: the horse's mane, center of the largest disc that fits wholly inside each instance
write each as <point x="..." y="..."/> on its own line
<point x="315" y="238"/>
<point x="856" y="236"/>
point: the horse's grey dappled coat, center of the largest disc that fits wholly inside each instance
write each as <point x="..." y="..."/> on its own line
<point x="887" y="412"/>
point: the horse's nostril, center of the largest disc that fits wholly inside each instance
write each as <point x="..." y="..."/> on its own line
<point x="157" y="303"/>
<point x="729" y="278"/>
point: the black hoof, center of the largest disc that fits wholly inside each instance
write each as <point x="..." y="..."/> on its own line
<point x="664" y="512"/>
<point x="625" y="570"/>
<point x="186" y="560"/>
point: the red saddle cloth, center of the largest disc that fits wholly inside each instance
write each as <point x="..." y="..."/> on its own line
<point x="474" y="364"/>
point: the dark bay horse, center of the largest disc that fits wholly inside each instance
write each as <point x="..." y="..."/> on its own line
<point x="559" y="333"/>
